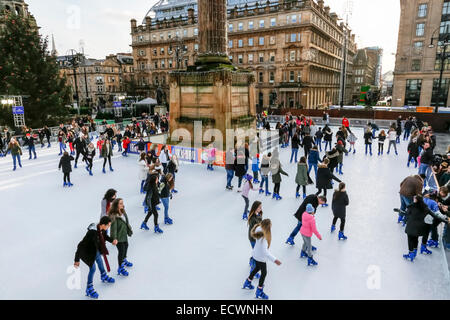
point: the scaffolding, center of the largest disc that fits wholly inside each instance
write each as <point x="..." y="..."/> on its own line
<point x="17" y="109"/>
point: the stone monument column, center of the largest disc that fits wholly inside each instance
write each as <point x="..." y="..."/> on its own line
<point x="212" y="28"/>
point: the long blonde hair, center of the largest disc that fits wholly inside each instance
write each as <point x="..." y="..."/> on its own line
<point x="265" y="225"/>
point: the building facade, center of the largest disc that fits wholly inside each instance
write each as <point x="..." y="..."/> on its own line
<point x="295" y="49"/>
<point x="18" y="7"/>
<point x="98" y="82"/>
<point x="366" y="70"/>
<point x="417" y="67"/>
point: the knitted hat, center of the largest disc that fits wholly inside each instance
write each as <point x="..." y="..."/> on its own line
<point x="248" y="177"/>
<point x="309" y="208"/>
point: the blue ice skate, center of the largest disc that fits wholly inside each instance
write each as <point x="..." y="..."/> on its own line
<point x="311" y="262"/>
<point x="105" y="278"/>
<point x="90" y="292"/>
<point x="127" y="263"/>
<point x="423" y="249"/>
<point x="157" y="229"/>
<point x="248" y="285"/>
<point x="290" y="241"/>
<point x="260" y="294"/>
<point x="144" y="226"/>
<point x="342" y="236"/>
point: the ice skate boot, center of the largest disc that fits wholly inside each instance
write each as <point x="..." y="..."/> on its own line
<point x="105" y="278"/>
<point x="274" y="196"/>
<point x="158" y="230"/>
<point x="313" y="248"/>
<point x="268" y="193"/>
<point x="409" y="256"/>
<point x="127" y="263"/>
<point x="90" y="292"/>
<point x="297" y="195"/>
<point x="168" y="221"/>
<point x="75" y="166"/>
<point x="342" y="236"/>
<point x="65" y="184"/>
<point x="333" y="228"/>
<point x="256" y="181"/>
<point x="290" y="241"/>
<point x="311" y="262"/>
<point x="260" y="294"/>
<point x="111" y="169"/>
<point x="433" y="243"/>
<point x="104" y="171"/>
<point x="90" y="173"/>
<point x="144" y="226"/>
<point x="121" y="271"/>
<point x="423" y="249"/>
<point x="245" y="216"/>
<point x="303" y="254"/>
<point x="70" y="185"/>
<point x="279" y="197"/>
<point x="261" y="191"/>
<point x="304" y="196"/>
<point x="248" y="285"/>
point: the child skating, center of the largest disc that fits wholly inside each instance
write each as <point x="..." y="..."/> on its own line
<point x="307" y="230"/>
<point x="263" y="236"/>
<point x="248" y="185"/>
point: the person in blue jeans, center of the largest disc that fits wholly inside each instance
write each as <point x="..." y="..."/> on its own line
<point x="29" y="141"/>
<point x="229" y="167"/>
<point x="318" y="138"/>
<point x="295" y="145"/>
<point x="95" y="238"/>
<point x="313" y="160"/>
<point x="409" y="187"/>
<point x="426" y="159"/>
<point x="166" y="185"/>
<point x="16" y="152"/>
<point x="265" y="169"/>
<point x="312" y="199"/>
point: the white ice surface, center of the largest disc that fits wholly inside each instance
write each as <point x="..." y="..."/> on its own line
<point x="204" y="255"/>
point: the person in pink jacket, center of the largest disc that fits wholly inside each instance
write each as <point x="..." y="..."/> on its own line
<point x="308" y="229"/>
<point x="248" y="185"/>
<point x="211" y="154"/>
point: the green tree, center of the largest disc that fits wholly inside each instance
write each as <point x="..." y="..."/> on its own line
<point x="27" y="69"/>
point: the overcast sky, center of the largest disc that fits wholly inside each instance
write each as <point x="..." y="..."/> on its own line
<point x="104" y="25"/>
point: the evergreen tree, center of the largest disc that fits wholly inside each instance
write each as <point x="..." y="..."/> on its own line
<point x="28" y="70"/>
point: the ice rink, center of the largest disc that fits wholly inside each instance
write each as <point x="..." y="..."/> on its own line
<point x="205" y="253"/>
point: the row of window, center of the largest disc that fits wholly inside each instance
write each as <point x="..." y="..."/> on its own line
<point x="414" y="90"/>
<point x="290" y="38"/>
<point x="250" y="25"/>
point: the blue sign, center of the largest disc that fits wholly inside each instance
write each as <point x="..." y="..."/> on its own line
<point x="117" y="104"/>
<point x="18" y="110"/>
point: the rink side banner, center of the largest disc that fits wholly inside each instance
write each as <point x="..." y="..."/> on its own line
<point x="185" y="154"/>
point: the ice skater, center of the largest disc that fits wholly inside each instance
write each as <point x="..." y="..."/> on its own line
<point x="107" y="153"/>
<point x="392" y="137"/>
<point x="29" y="141"/>
<point x="368" y="136"/>
<point x="65" y="164"/>
<point x="143" y="170"/>
<point x="338" y="205"/>
<point x="108" y="198"/>
<point x="255" y="169"/>
<point x="265" y="170"/>
<point x="324" y="178"/>
<point x="80" y="147"/>
<point x="277" y="171"/>
<point x="307" y="230"/>
<point x="151" y="201"/>
<point x="166" y="185"/>
<point x="315" y="201"/>
<point x="255" y="217"/>
<point x="89" y="158"/>
<point x="61" y="141"/>
<point x="413" y="152"/>
<point x="302" y="178"/>
<point x="416" y="226"/>
<point x="262" y="234"/>
<point x="381" y="138"/>
<point x="352" y="141"/>
<point x="120" y="231"/>
<point x="16" y="152"/>
<point x="90" y="251"/>
<point x="248" y="185"/>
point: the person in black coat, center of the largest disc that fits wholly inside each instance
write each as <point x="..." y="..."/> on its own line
<point x="327" y="136"/>
<point x="48" y="135"/>
<point x="66" y="166"/>
<point x="417" y="214"/>
<point x="312" y="199"/>
<point x="295" y="145"/>
<point x="324" y="177"/>
<point x="152" y="199"/>
<point x="229" y="167"/>
<point x="239" y="168"/>
<point x="307" y="144"/>
<point x="90" y="251"/>
<point x="413" y="150"/>
<point x="339" y="205"/>
<point x="80" y="148"/>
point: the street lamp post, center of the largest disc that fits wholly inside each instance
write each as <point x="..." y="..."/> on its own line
<point x="443" y="40"/>
<point x="74" y="63"/>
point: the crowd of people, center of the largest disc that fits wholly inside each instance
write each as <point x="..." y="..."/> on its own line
<point x="424" y="204"/>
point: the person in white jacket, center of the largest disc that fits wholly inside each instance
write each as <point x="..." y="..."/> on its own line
<point x="143" y="170"/>
<point x="392" y="137"/>
<point x="164" y="157"/>
<point x="263" y="236"/>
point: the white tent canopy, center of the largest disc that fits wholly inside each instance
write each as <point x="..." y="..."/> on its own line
<point x="148" y="101"/>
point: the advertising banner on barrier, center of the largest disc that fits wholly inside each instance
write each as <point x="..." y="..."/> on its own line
<point x="184" y="154"/>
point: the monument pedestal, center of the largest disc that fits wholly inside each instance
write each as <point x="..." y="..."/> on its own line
<point x="220" y="99"/>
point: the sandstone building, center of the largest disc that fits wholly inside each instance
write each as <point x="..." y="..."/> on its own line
<point x="294" y="48"/>
<point x="416" y="74"/>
